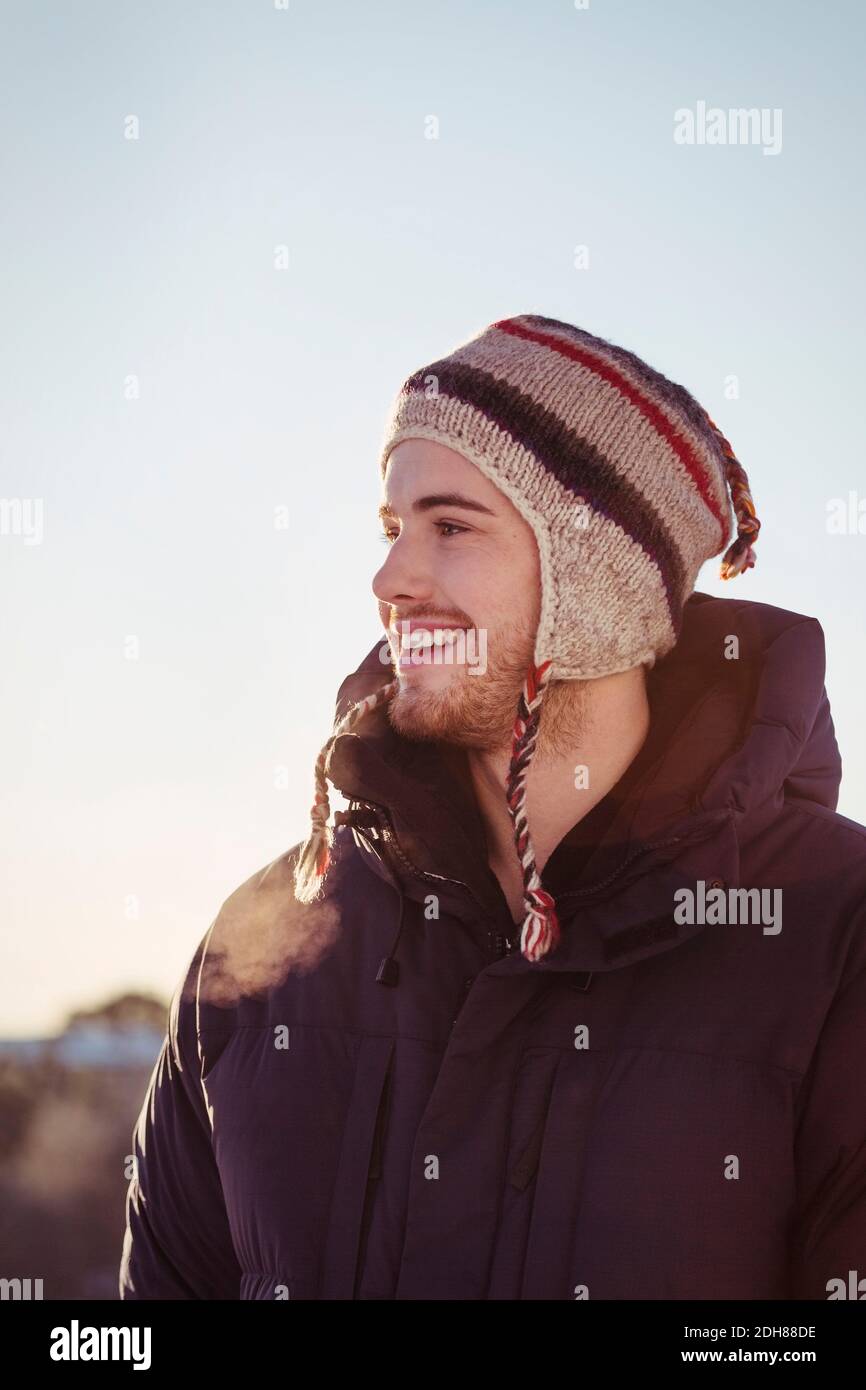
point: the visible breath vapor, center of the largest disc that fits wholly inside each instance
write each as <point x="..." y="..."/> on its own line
<point x="262" y="933"/>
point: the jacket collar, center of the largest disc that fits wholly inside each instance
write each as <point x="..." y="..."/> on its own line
<point x="739" y="720"/>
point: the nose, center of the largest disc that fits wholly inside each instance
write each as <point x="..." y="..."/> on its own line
<point x="402" y="578"/>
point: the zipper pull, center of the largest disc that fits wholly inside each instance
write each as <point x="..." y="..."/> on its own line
<point x="500" y="944"/>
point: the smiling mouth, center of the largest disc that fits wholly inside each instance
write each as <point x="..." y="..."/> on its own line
<point x="414" y="634"/>
<point x="425" y="638"/>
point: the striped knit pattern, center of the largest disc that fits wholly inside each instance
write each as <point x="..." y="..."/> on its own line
<point x="617" y="469"/>
<point x="628" y="486"/>
<point x="540" y="931"/>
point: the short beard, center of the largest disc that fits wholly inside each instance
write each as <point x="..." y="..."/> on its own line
<point x="479" y="711"/>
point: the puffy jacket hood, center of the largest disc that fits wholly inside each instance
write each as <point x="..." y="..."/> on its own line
<point x="740" y="723"/>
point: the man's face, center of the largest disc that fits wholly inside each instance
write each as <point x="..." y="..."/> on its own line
<point x="469" y="565"/>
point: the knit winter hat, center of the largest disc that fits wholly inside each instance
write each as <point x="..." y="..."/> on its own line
<point x="625" y="481"/>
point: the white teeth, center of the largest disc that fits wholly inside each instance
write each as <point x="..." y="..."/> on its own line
<point x="423" y="637"/>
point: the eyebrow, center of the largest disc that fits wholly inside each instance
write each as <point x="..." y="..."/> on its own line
<point x="438" y="499"/>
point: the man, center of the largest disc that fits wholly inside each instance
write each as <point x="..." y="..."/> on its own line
<point x="433" y="1056"/>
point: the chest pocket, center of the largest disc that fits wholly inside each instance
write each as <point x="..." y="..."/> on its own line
<point x="358" y="1168"/>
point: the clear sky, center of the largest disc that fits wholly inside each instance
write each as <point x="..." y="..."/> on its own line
<point x="165" y="385"/>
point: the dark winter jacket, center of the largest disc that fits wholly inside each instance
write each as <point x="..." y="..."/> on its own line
<point x="659" y="1109"/>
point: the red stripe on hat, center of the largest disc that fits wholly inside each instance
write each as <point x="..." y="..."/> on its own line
<point x="648" y="409"/>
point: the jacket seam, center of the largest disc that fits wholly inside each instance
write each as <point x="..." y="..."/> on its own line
<point x="819" y="813"/>
<point x="553" y="1047"/>
<point x="327" y="1028"/>
<point x="714" y="1056"/>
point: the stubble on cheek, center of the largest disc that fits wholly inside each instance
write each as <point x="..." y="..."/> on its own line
<point x="469" y="710"/>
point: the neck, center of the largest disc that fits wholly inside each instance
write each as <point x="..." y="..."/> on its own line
<point x="594" y="731"/>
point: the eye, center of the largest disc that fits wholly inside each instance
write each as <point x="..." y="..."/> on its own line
<point x="390" y="534"/>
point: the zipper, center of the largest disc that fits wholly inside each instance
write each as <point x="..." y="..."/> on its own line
<point x="500" y="944"/>
<point x="391" y="839"/>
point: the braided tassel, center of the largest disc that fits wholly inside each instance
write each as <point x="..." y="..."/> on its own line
<point x="739" y="556"/>
<point x="315" y="855"/>
<point x="540" y="932"/>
